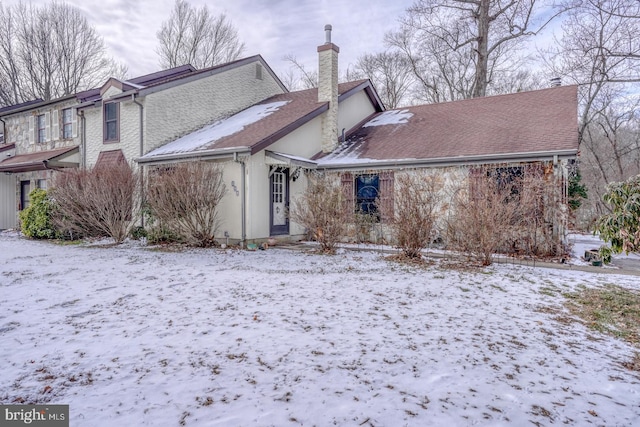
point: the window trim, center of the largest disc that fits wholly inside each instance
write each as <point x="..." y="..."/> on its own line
<point x="105" y="123"/>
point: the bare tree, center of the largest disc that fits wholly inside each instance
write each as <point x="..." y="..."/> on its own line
<point x="197" y="37"/>
<point x="457" y="48"/>
<point x="390" y="74"/>
<point x="610" y="150"/>
<point x="298" y="77"/>
<point x="599" y="50"/>
<point x="49" y="52"/>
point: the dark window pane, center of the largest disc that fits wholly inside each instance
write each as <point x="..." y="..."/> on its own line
<point x="367" y="190"/>
<point x="67" y="123"/>
<point x="111" y="121"/>
<point x="110" y="112"/>
<point x="112" y="131"/>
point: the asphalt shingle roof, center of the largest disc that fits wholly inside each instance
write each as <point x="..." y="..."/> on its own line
<point x="527" y="122"/>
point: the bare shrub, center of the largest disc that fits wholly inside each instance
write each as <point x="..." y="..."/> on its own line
<point x="535" y="232"/>
<point x="98" y="202"/>
<point x="415" y="212"/>
<point x="185" y="199"/>
<point x="506" y="212"/>
<point x="479" y="220"/>
<point x="321" y="211"/>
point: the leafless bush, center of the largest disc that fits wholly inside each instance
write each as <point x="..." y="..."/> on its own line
<point x="98" y="202"/>
<point x="320" y="210"/>
<point x="185" y="198"/>
<point x="415" y="212"/>
<point x="536" y="230"/>
<point x="506" y="212"/>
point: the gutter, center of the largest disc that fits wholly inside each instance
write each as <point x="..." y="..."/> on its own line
<point x="448" y="161"/>
<point x="4" y="130"/>
<point x="202" y="155"/>
<point x="243" y="199"/>
<point x="83" y="138"/>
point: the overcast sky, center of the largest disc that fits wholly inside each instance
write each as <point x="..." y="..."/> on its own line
<point x="272" y="28"/>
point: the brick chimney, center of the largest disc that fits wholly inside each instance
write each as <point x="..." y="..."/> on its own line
<point x="328" y="90"/>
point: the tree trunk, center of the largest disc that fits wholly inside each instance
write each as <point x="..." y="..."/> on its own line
<point x="482" y="61"/>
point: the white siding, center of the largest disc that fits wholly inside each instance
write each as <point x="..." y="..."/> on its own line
<point x="174" y="112"/>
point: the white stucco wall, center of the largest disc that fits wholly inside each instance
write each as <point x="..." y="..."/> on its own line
<point x="231" y="204"/>
<point x="302" y="142"/>
<point x="174" y="111"/>
<point x="354" y="110"/>
<point x="258" y="193"/>
<point x="306" y="140"/>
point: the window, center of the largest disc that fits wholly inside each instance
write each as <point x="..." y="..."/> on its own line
<point x="367" y="191"/>
<point x="25" y="189"/>
<point x="508" y="181"/>
<point x="42" y="184"/>
<point x="368" y="194"/>
<point x="41" y="130"/>
<point x="67" y="124"/>
<point x="111" y="130"/>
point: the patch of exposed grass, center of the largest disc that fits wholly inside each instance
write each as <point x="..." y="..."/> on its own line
<point x="634" y="363"/>
<point x="611" y="309"/>
<point x="549" y="291"/>
<point x="415" y="261"/>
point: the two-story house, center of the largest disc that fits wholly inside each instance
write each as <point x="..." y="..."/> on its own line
<point x="40" y="136"/>
<point x="120" y="120"/>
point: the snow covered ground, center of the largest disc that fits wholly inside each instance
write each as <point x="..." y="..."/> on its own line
<point x="129" y="336"/>
<point x="584" y="242"/>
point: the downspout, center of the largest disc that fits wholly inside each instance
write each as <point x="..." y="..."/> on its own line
<point x="4" y="131"/>
<point x="142" y="199"/>
<point x="83" y="138"/>
<point x="243" y="209"/>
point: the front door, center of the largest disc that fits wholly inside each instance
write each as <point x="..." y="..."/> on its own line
<point x="279" y="218"/>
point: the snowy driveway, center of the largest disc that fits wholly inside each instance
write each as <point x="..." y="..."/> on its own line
<point x="583" y="242"/>
<point x="133" y="337"/>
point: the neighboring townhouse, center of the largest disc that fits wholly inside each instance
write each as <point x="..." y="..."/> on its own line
<point x="40" y="137"/>
<point x="121" y="120"/>
<point x="265" y="150"/>
<point x="127" y="119"/>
